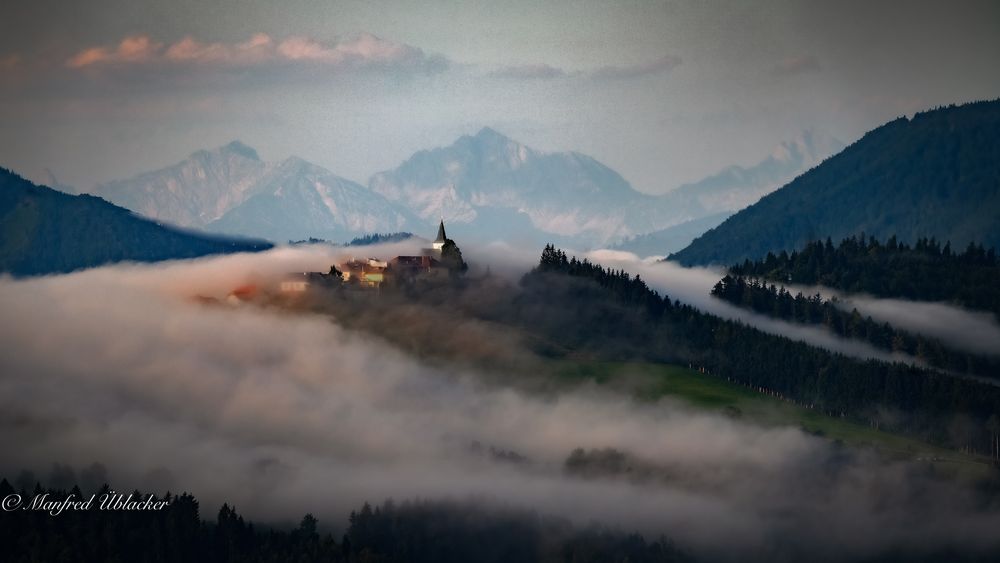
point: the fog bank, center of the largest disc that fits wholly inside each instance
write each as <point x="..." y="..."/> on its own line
<point x="281" y="414"/>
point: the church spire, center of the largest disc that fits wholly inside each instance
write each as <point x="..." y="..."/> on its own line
<point x="441" y="238"/>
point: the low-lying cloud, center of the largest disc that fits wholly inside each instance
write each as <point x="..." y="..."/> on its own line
<point x="971" y="331"/>
<point x="285" y="413"/>
<point x="694" y="287"/>
<point x="962" y="329"/>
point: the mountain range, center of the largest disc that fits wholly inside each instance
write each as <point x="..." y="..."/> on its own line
<point x="934" y="175"/>
<point x="231" y="190"/>
<point x="485" y="186"/>
<point x="566" y="194"/>
<point x="572" y="195"/>
<point x="45" y="231"/>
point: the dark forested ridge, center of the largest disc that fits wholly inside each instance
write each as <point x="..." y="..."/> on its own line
<point x="636" y="322"/>
<point x="776" y="301"/>
<point x="926" y="271"/>
<point x="379" y="238"/>
<point x="411" y="532"/>
<point x="935" y="175"/>
<point x="43" y="231"/>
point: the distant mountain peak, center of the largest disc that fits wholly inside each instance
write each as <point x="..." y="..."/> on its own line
<point x="228" y="189"/>
<point x="234" y="148"/>
<point x="295" y="163"/>
<point x="491" y="133"/>
<point x="489" y="178"/>
<point x="237" y="147"/>
<point x="810" y="146"/>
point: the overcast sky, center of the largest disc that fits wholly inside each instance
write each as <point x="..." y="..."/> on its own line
<point x="663" y="92"/>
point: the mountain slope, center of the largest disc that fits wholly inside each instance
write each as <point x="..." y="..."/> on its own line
<point x="936" y="175"/>
<point x="193" y="192"/>
<point x="298" y="200"/>
<point x="43" y="231"/>
<point x="671" y="239"/>
<point x="736" y="187"/>
<point x="230" y="190"/>
<point x="561" y="193"/>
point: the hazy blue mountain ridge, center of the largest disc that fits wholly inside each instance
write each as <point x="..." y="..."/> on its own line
<point x="231" y="190"/>
<point x="297" y="199"/>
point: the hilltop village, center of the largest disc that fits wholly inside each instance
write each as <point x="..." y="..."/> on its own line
<point x="438" y="263"/>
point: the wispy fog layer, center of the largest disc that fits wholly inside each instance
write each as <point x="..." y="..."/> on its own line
<point x="283" y="414"/>
<point x="971" y="331"/>
<point x="962" y="329"/>
<point x="694" y="287"/>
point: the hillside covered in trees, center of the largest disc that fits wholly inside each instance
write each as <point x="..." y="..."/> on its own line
<point x="926" y="271"/>
<point x="570" y="309"/>
<point x="43" y="231"/>
<point x="776" y="301"/>
<point x="584" y="306"/>
<point x="935" y="175"/>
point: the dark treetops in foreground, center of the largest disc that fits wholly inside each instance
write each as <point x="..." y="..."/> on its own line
<point x="778" y="302"/>
<point x="926" y="271"/>
<point x="411" y="532"/>
<point x="569" y="300"/>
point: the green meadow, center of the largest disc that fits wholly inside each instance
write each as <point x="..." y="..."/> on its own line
<point x="652" y="382"/>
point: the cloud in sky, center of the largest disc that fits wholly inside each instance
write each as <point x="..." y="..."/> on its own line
<point x="543" y="71"/>
<point x="800" y="64"/>
<point x="132" y="49"/>
<point x="655" y="131"/>
<point x="362" y="50"/>
<point x="663" y="64"/>
<point x="529" y="72"/>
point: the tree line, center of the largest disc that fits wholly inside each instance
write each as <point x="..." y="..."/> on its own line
<point x="926" y="271"/>
<point x="778" y="302"/>
<point x="411" y="532"/>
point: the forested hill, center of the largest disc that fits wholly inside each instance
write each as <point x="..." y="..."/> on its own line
<point x="43" y="231"/>
<point x="936" y="175"/>
<point x="926" y="271"/>
<point x="623" y="311"/>
<point x="778" y="302"/>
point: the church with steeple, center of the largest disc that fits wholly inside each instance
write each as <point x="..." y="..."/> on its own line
<point x="438" y="244"/>
<point x="431" y="262"/>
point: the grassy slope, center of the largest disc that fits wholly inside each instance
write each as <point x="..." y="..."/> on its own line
<point x="714" y="394"/>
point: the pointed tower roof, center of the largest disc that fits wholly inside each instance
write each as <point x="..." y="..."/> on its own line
<point x="441" y="236"/>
